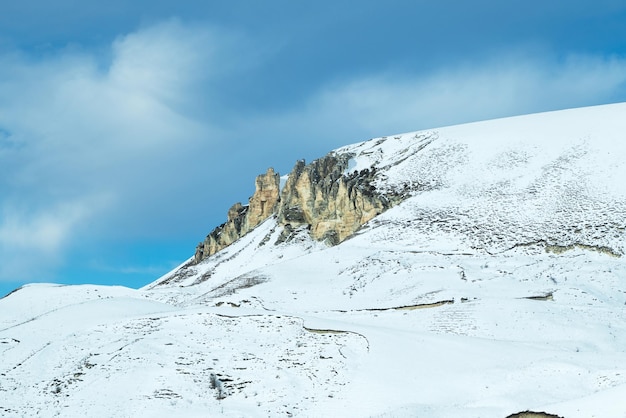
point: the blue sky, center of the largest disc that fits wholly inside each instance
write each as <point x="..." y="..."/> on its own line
<point x="127" y="129"/>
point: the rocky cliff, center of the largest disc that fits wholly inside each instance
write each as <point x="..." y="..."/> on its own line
<point x="331" y="202"/>
<point x="243" y="219"/>
<point x="322" y="196"/>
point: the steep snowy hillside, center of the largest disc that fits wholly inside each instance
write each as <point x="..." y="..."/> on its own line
<point x="492" y="281"/>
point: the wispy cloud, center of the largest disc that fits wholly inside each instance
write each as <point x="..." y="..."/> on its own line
<point x="503" y="86"/>
<point x="76" y="131"/>
<point x="33" y="241"/>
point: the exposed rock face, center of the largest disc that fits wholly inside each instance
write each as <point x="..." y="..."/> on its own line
<point x="333" y="205"/>
<point x="242" y="219"/>
<point x="263" y="202"/>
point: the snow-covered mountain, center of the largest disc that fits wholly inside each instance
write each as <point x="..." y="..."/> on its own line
<point x="485" y="277"/>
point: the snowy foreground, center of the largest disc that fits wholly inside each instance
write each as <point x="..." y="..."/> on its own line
<point x="499" y="286"/>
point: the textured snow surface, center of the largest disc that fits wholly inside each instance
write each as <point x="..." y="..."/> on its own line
<point x="498" y="286"/>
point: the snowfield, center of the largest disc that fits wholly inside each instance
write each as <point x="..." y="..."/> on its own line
<point x="498" y="286"/>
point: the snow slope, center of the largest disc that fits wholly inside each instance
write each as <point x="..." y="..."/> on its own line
<point x="498" y="286"/>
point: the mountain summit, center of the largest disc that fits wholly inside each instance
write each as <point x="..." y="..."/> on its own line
<point x="471" y="270"/>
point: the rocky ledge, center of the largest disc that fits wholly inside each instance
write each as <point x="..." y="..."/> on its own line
<point x="322" y="196"/>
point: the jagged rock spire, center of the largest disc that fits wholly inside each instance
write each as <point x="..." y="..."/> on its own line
<point x="242" y="219"/>
<point x="322" y="195"/>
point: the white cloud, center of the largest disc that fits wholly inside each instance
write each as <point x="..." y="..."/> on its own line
<point x="516" y="84"/>
<point x="31" y="242"/>
<point x="74" y="130"/>
<point x="69" y="101"/>
<point x="161" y="61"/>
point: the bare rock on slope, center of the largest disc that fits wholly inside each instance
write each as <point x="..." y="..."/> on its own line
<point x="243" y="219"/>
<point x="332" y="203"/>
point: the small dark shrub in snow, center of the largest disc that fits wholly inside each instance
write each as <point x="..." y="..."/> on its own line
<point x="216" y="383"/>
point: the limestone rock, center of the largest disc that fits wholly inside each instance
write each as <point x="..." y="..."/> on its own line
<point x="263" y="203"/>
<point x="243" y="219"/>
<point x="331" y="203"/>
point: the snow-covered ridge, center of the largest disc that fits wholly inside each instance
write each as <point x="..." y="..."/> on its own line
<point x="527" y="207"/>
<point x="496" y="286"/>
<point x="551" y="180"/>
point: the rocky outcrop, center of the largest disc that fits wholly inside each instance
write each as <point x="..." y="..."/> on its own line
<point x="331" y="203"/>
<point x="242" y="219"/>
<point x="263" y="202"/>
